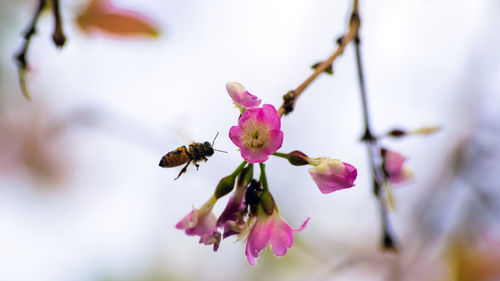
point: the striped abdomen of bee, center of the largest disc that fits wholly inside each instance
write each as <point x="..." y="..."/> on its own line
<point x="195" y="152"/>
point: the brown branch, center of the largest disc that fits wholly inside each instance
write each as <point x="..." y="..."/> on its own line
<point x="20" y="56"/>
<point x="378" y="174"/>
<point x="58" y="35"/>
<point x="58" y="38"/>
<point x="290" y="98"/>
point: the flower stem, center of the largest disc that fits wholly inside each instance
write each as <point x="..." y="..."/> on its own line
<point x="266" y="199"/>
<point x="209" y="205"/>
<point x="282" y="155"/>
<point x="239" y="169"/>
<point x="263" y="178"/>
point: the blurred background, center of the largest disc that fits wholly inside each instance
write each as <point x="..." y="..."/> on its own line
<point x="82" y="197"/>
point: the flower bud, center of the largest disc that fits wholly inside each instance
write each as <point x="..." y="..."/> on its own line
<point x="297" y="158"/>
<point x="225" y="186"/>
<point x="396" y="133"/>
<point x="267" y="202"/>
<point x="331" y="174"/>
<point x="241" y="97"/>
<point x="394" y="168"/>
<point x="245" y="176"/>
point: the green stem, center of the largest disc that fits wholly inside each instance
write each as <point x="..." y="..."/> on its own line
<point x="282" y="155"/>
<point x="239" y="169"/>
<point x="208" y="206"/>
<point x="263" y="178"/>
<point x="266" y="199"/>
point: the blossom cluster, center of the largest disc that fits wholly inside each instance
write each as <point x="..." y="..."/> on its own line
<point x="251" y="213"/>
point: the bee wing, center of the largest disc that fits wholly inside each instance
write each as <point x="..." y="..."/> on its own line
<point x="180" y="129"/>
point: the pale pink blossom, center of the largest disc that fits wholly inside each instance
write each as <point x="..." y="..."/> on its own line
<point x="331" y="175"/>
<point x="394" y="167"/>
<point x="273" y="230"/>
<point x="241" y="96"/>
<point x="201" y="222"/>
<point x="258" y="133"/>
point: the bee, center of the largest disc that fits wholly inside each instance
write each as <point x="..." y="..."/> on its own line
<point x="194" y="153"/>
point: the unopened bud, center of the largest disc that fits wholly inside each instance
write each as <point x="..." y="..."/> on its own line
<point x="397" y="133"/>
<point x="58" y="38"/>
<point x="298" y="158"/>
<point x="267" y="202"/>
<point x="328" y="69"/>
<point x="246" y="176"/>
<point x="225" y="186"/>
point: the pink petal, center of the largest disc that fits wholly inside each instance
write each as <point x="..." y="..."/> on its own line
<point x="270" y="117"/>
<point x="334" y="178"/>
<point x="211" y="238"/>
<point x="304" y="224"/>
<point x="260" y="234"/>
<point x="250" y="115"/>
<point x="235" y="136"/>
<point x="403" y="176"/>
<point x="233" y="208"/>
<point x="248" y="100"/>
<point x="275" y="142"/>
<point x="241" y="96"/>
<point x="282" y="237"/>
<point x="251" y="257"/>
<point x="258" y="238"/>
<point x="205" y="225"/>
<point x="254" y="156"/>
<point x="187" y="221"/>
<point x="394" y="162"/>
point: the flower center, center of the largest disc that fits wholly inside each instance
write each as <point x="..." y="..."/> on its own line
<point x="255" y="135"/>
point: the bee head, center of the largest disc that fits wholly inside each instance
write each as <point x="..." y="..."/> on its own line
<point x="209" y="150"/>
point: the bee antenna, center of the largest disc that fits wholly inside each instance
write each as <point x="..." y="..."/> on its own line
<point x="214" y="142"/>
<point x="215" y="138"/>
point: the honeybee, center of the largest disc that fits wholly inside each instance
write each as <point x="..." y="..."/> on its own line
<point x="195" y="152"/>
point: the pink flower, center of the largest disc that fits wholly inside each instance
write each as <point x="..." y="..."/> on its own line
<point x="393" y="166"/>
<point x="241" y="96"/>
<point x="258" y="133"/>
<point x="331" y="175"/>
<point x="202" y="222"/>
<point x="231" y="217"/>
<point x="273" y="230"/>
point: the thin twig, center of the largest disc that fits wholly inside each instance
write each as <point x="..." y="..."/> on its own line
<point x="58" y="35"/>
<point x="58" y="38"/>
<point x="378" y="175"/>
<point x="20" y="56"/>
<point x="290" y="98"/>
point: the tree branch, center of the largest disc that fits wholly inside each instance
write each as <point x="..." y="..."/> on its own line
<point x="20" y="56"/>
<point x="378" y="175"/>
<point x="58" y="38"/>
<point x="290" y="98"/>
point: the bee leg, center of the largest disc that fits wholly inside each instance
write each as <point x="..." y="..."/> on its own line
<point x="205" y="158"/>
<point x="183" y="170"/>
<point x="197" y="166"/>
